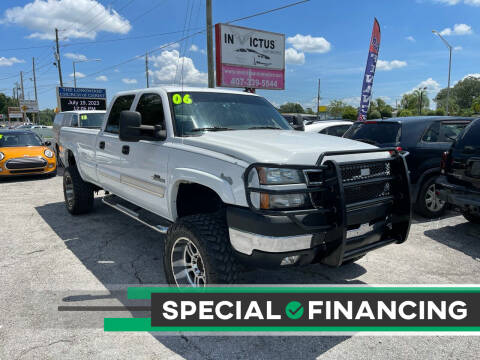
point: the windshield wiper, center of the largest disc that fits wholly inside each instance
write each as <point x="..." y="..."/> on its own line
<point x="264" y="127"/>
<point x="214" y="128"/>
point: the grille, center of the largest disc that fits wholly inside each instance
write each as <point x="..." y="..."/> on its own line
<point x="363" y="171"/>
<point x="25" y="163"/>
<point x="26" y="171"/>
<point x="355" y="194"/>
<point x="366" y="171"/>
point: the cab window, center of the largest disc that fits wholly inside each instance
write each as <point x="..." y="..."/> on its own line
<point x="121" y="103"/>
<point x="151" y="109"/>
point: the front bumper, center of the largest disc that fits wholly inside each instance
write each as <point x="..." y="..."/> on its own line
<point x="457" y="195"/>
<point x="49" y="167"/>
<point x="344" y="227"/>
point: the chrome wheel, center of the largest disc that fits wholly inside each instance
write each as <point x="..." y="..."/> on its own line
<point x="68" y="189"/>
<point x="432" y="201"/>
<point x="187" y="264"/>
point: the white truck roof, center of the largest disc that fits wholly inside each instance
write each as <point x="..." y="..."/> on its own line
<point x="82" y="111"/>
<point x="176" y="88"/>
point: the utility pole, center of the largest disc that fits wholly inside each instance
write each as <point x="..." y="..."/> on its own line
<point x="146" y="68"/>
<point x="23" y="93"/>
<point x="211" y="79"/>
<point x="318" y="99"/>
<point x="34" y="85"/>
<point x="57" y="57"/>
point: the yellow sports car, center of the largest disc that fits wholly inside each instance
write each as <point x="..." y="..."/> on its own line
<point x="22" y="152"/>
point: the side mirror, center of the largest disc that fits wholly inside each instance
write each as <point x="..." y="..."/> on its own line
<point x="47" y="143"/>
<point x="129" y="126"/>
<point x="160" y="133"/>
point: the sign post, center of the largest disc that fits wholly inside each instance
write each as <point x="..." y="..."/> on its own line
<point x="69" y="99"/>
<point x="249" y="58"/>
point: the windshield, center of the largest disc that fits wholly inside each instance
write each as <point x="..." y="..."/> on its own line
<point x="195" y="112"/>
<point x="374" y="132"/>
<point x="19" y="139"/>
<point x="92" y="120"/>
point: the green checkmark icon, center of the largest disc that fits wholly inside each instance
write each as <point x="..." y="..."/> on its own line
<point x="294" y="310"/>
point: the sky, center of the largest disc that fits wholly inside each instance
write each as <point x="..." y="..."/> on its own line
<point x="325" y="40"/>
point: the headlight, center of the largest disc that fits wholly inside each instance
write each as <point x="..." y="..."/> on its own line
<point x="1" y="156"/>
<point x="48" y="153"/>
<point x="273" y="178"/>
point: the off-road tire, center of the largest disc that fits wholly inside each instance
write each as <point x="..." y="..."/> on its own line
<point x="473" y="218"/>
<point x="82" y="199"/>
<point x="209" y="233"/>
<point x="421" y="206"/>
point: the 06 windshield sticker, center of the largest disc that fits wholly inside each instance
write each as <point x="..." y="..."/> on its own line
<point x="177" y="99"/>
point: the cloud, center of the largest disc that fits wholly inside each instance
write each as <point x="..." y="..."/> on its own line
<point x="458" y="48"/>
<point x="411" y="39"/>
<point x="455" y="2"/>
<point x="75" y="18"/>
<point x="432" y="86"/>
<point x="295" y="57"/>
<point x="352" y="101"/>
<point x="129" y="81"/>
<point x="75" y="57"/>
<point x="474" y="75"/>
<point x="116" y="70"/>
<point x="101" y="78"/>
<point x="195" y="48"/>
<point x="10" y="61"/>
<point x="308" y="43"/>
<point x="458" y="29"/>
<point x="78" y="75"/>
<point x="390" y="65"/>
<point x="167" y="69"/>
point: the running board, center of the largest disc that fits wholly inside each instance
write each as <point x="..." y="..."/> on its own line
<point x="146" y="217"/>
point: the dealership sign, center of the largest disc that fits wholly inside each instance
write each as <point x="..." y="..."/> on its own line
<point x="15" y="113"/>
<point x="249" y="58"/>
<point x="69" y="99"/>
<point x="28" y="106"/>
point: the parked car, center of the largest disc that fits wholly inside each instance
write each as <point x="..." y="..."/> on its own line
<point x="298" y="121"/>
<point x="223" y="175"/>
<point x="329" y="127"/>
<point x="22" y="152"/>
<point x="425" y="139"/>
<point x="459" y="184"/>
<point x="89" y="119"/>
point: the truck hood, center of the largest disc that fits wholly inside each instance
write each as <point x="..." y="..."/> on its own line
<point x="280" y="146"/>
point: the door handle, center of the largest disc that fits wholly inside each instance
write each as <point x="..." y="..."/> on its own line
<point x="125" y="149"/>
<point x="101" y="145"/>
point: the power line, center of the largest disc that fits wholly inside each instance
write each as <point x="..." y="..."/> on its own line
<point x="190" y="36"/>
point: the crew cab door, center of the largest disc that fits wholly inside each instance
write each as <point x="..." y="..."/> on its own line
<point x="145" y="175"/>
<point x="109" y="157"/>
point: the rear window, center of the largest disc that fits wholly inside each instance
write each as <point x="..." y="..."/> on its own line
<point x="91" y="120"/>
<point x="375" y="132"/>
<point x="470" y="137"/>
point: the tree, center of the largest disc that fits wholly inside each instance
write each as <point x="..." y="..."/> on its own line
<point x="336" y="107"/>
<point x="386" y="112"/>
<point x="375" y="114"/>
<point x="291" y="108"/>
<point x="404" y="113"/>
<point x="476" y="105"/>
<point x="349" y="113"/>
<point x="45" y="117"/>
<point x="440" y="112"/>
<point x="462" y="96"/>
<point x="413" y="100"/>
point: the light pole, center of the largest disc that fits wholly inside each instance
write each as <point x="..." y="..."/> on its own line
<point x="449" y="64"/>
<point x="74" y="71"/>
<point x="421" y="98"/>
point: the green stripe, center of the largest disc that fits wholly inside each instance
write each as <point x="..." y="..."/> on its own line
<point x="144" y="324"/>
<point x="145" y="292"/>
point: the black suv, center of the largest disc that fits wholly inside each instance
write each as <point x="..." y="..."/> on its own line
<point x="425" y="139"/>
<point x="460" y="183"/>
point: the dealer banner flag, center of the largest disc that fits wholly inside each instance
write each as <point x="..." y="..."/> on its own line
<point x="369" y="72"/>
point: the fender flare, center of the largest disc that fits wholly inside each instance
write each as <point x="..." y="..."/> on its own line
<point x="192" y="176"/>
<point x="418" y="185"/>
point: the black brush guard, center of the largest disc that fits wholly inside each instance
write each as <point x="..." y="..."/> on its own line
<point x="332" y="216"/>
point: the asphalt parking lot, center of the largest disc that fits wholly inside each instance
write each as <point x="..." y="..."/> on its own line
<point x="49" y="258"/>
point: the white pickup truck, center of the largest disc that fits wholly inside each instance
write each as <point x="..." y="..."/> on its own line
<point x="228" y="181"/>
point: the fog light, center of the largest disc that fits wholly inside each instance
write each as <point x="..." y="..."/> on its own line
<point x="1" y="169"/>
<point x="289" y="260"/>
<point x="50" y="166"/>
